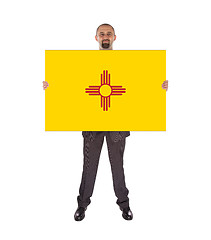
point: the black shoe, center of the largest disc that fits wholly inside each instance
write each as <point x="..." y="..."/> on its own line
<point x="80" y="213"/>
<point x="127" y="213"/>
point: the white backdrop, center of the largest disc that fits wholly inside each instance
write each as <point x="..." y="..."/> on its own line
<point x="167" y="173"/>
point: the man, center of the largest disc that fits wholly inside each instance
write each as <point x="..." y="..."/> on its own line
<point x="93" y="142"/>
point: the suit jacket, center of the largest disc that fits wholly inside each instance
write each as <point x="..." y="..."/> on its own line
<point x="115" y="136"/>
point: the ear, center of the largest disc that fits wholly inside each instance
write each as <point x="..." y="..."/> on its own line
<point x="96" y="38"/>
<point x="114" y="37"/>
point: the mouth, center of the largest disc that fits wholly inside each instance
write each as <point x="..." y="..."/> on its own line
<point x="106" y="43"/>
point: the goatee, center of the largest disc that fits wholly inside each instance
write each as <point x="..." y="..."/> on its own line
<point x="105" y="45"/>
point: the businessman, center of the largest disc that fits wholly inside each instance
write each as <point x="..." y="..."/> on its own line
<point x="93" y="142"/>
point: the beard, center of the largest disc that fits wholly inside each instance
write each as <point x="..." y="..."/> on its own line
<point x="105" y="45"/>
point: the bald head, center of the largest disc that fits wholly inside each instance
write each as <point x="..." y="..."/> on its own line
<point x="105" y="24"/>
<point x="105" y="36"/>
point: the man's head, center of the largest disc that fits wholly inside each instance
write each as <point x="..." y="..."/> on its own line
<point x="105" y="35"/>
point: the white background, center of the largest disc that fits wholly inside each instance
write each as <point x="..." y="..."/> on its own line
<point x="167" y="173"/>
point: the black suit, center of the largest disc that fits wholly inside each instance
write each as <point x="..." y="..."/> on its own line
<point x="115" y="136"/>
<point x="93" y="142"/>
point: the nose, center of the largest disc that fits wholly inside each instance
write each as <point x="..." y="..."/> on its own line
<point x="106" y="36"/>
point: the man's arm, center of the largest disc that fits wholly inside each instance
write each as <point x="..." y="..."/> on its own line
<point x="165" y="85"/>
<point x="45" y="85"/>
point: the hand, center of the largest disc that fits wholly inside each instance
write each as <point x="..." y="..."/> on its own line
<point x="45" y="85"/>
<point x="165" y="85"/>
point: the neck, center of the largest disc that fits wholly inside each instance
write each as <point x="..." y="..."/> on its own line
<point x="110" y="48"/>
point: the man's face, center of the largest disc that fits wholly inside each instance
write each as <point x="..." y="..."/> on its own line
<point x="105" y="36"/>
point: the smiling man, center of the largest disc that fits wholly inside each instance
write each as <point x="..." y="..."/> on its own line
<point x="105" y="35"/>
<point x="93" y="142"/>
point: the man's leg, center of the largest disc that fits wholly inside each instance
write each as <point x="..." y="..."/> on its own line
<point x="91" y="150"/>
<point x="116" y="151"/>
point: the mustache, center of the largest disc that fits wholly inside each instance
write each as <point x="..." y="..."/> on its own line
<point x="106" y="40"/>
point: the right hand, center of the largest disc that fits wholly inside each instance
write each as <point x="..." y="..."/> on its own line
<point x="45" y="85"/>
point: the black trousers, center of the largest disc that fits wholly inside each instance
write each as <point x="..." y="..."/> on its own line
<point x="92" y="150"/>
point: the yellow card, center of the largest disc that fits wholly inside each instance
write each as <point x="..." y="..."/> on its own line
<point x="99" y="90"/>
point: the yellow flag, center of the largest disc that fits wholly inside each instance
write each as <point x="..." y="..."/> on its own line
<point x="113" y="90"/>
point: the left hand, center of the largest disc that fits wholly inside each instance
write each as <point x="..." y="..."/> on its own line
<point x="165" y="85"/>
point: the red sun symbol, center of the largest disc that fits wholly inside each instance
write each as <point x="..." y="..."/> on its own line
<point x="105" y="90"/>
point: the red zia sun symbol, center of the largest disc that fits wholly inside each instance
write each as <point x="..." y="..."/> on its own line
<point x="105" y="90"/>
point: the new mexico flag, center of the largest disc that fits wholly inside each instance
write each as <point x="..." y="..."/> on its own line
<point x="116" y="90"/>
